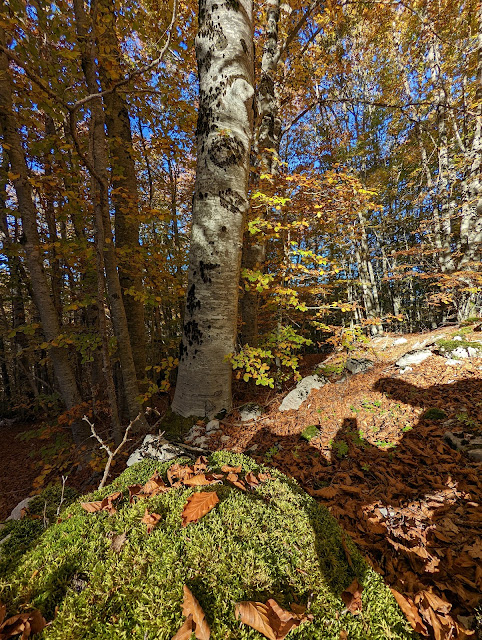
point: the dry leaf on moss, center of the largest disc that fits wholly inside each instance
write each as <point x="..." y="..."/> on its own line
<point x="352" y="597"/>
<point x="198" y="505"/>
<point x="134" y="490"/>
<point x="25" y="623"/>
<point x="151" y="519"/>
<point x="234" y="480"/>
<point x="154" y="486"/>
<point x="252" y="480"/>
<point x="186" y="630"/>
<point x="191" y="606"/>
<point x="270" y="619"/>
<point x="411" y="612"/>
<point x="201" y="464"/>
<point x="118" y="542"/>
<point x="227" y="469"/>
<point x="102" y="505"/>
<point x="199" y="480"/>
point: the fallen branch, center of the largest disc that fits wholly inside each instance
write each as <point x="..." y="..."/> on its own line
<point x="111" y="454"/>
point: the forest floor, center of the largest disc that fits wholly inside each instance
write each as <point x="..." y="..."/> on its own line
<point x="409" y="501"/>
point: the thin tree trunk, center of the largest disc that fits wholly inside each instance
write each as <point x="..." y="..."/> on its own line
<point x="41" y="291"/>
<point x="124" y="182"/>
<point x="224" y="133"/>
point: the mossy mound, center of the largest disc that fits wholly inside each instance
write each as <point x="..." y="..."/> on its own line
<point x="274" y="542"/>
<point x="434" y="413"/>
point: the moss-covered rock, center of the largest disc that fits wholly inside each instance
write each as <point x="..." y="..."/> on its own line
<point x="274" y="542"/>
<point x="176" y="426"/>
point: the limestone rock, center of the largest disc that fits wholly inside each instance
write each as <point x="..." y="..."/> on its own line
<point x="469" y="443"/>
<point x="295" y="398"/>
<point x="399" y="341"/>
<point x="156" y="448"/>
<point x="458" y="338"/>
<point x="17" y="511"/>
<point x="416" y="356"/>
<point x="212" y="426"/>
<point x="250" y="411"/>
<point x="459" y="352"/>
<point x="358" y="365"/>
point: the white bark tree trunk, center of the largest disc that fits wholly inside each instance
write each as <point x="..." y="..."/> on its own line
<point x="224" y="53"/>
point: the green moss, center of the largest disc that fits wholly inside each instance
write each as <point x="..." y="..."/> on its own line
<point x="447" y="346"/>
<point x="175" y="426"/>
<point x="434" y="414"/>
<point x="273" y="542"/>
<point x="310" y="432"/>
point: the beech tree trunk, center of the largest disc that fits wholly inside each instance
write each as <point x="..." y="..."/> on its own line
<point x="267" y="142"/>
<point x="105" y="249"/>
<point x="224" y="53"/>
<point x="41" y="291"/>
<point x="124" y="182"/>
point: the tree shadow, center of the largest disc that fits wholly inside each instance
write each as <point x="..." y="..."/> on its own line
<point x="412" y="508"/>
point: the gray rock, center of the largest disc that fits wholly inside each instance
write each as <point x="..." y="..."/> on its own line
<point x="250" y="411"/>
<point x="295" y="398"/>
<point x="225" y="438"/>
<point x="358" y="365"/>
<point x="451" y="362"/>
<point x="201" y="442"/>
<point x="475" y="454"/>
<point x="406" y="370"/>
<point x="459" y="352"/>
<point x="467" y="442"/>
<point x="399" y="341"/>
<point x="252" y="448"/>
<point x="156" y="448"/>
<point x="416" y="356"/>
<point x="473" y="353"/>
<point x="458" y="338"/>
<point x="194" y="432"/>
<point x="17" y="511"/>
<point x="212" y="425"/>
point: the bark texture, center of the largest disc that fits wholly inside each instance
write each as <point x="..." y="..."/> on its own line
<point x="224" y="53"/>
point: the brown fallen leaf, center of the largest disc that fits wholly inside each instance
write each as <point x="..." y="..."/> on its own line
<point x="343" y="635"/>
<point x="134" y="490"/>
<point x="25" y="623"/>
<point x="227" y="469"/>
<point x="411" y="612"/>
<point x="186" y="630"/>
<point x="191" y="607"/>
<point x="352" y="597"/>
<point x="234" y="480"/>
<point x="270" y="619"/>
<point x="198" y="480"/>
<point x="151" y="519"/>
<point x="102" y="505"/>
<point x="251" y="479"/>
<point x="325" y="492"/>
<point x="198" y="505"/>
<point x="154" y="486"/>
<point x="256" y="616"/>
<point x="118" y="542"/>
<point x="201" y="464"/>
<point x="263" y="477"/>
<point x="178" y="472"/>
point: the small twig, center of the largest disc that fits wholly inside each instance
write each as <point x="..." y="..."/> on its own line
<point x="111" y="454"/>
<point x="64" y="480"/>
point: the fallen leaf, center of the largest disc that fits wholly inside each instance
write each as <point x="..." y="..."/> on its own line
<point x="154" y="486"/>
<point x="352" y="597"/>
<point x="411" y="612"/>
<point x="118" y="542"/>
<point x="191" y="607"/>
<point x="227" y="469"/>
<point x="325" y="492"/>
<point x="25" y="623"/>
<point x="134" y="490"/>
<point x="102" y="505"/>
<point x="252" y="480"/>
<point x="151" y="519"/>
<point x="179" y="472"/>
<point x="234" y="480"/>
<point x="343" y="635"/>
<point x="201" y="464"/>
<point x="198" y="480"/>
<point x="256" y="616"/>
<point x="270" y="619"/>
<point x="263" y="477"/>
<point x="198" y="505"/>
<point x="186" y="630"/>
